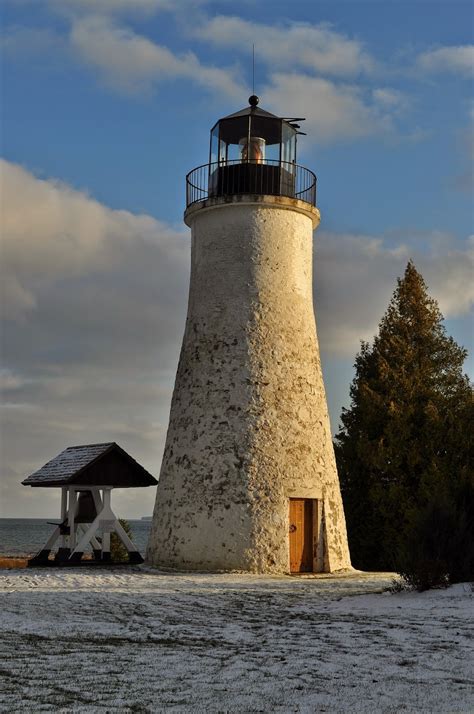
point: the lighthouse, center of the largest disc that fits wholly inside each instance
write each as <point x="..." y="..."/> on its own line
<point x="248" y="479"/>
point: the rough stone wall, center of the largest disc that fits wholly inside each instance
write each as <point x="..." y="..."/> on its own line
<point x="249" y="426"/>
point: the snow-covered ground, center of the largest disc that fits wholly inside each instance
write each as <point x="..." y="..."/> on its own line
<point x="136" y="640"/>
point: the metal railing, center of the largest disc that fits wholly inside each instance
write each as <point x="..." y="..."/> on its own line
<point x="228" y="178"/>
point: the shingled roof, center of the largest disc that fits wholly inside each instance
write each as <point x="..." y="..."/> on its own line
<point x="92" y="465"/>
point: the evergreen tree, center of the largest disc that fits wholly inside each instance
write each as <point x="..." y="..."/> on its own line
<point x="118" y="551"/>
<point x="404" y="442"/>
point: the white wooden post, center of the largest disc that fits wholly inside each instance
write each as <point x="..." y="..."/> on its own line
<point x="95" y="543"/>
<point x="96" y="546"/>
<point x="52" y="539"/>
<point x="106" y="498"/>
<point x="81" y="531"/>
<point x="97" y="499"/>
<point x="106" y="521"/>
<point x="71" y="515"/>
<point x="63" y="514"/>
<point x="105" y="525"/>
<point x="80" y="547"/>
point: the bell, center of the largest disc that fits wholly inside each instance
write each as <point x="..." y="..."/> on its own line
<point x="86" y="510"/>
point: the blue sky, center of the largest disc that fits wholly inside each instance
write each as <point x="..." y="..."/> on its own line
<point x="108" y="103"/>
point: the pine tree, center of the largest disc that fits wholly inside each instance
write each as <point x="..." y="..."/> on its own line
<point x="405" y="438"/>
<point x="118" y="551"/>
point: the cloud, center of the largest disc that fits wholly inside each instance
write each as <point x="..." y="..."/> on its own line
<point x="9" y="381"/>
<point x="317" y="48"/>
<point x="392" y="99"/>
<point x="355" y="276"/>
<point x="457" y="59"/>
<point x="92" y="325"/>
<point x="333" y="111"/>
<point x="132" y="63"/>
<point x="67" y="238"/>
<point x="17" y="299"/>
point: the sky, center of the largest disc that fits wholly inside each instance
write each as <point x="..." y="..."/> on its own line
<point x="107" y="104"/>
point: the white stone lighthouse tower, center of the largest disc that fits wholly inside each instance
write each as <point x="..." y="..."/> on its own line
<point x="248" y="479"/>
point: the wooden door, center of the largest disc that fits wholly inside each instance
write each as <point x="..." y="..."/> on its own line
<point x="301" y="535"/>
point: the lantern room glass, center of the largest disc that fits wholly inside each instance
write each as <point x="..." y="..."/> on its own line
<point x="252" y="138"/>
<point x="288" y="143"/>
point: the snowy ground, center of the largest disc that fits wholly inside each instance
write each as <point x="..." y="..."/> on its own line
<point x="135" y="640"/>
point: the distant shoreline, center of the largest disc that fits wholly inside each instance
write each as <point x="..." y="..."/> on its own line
<point x="24" y="537"/>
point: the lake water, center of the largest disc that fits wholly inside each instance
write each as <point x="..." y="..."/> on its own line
<point x="25" y="536"/>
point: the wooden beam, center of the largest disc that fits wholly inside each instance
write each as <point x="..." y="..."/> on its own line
<point x="71" y="515"/>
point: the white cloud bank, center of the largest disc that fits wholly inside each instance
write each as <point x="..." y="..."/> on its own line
<point x="133" y="63"/>
<point x="317" y="48"/>
<point x="333" y="112"/>
<point x="95" y="311"/>
<point x="53" y="232"/>
<point x="355" y="276"/>
<point x="456" y="59"/>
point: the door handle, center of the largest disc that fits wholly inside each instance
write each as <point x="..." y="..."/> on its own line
<point x="292" y="528"/>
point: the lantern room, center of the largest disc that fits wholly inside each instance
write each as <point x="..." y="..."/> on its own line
<point x="254" y="135"/>
<point x="253" y="152"/>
